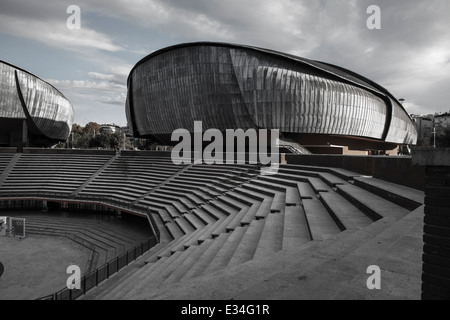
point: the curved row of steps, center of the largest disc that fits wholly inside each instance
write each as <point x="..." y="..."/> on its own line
<point x="110" y="239"/>
<point x="50" y="173"/>
<point x="259" y="217"/>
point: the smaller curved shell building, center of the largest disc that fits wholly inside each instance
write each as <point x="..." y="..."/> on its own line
<point x="32" y="112"/>
<point x="230" y="86"/>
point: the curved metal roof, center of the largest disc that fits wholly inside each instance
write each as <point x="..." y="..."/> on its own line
<point x="23" y="70"/>
<point x="339" y="72"/>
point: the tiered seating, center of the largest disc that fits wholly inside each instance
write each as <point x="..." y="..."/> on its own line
<point x="197" y="197"/>
<point x="212" y="218"/>
<point x="128" y="178"/>
<point x="255" y="219"/>
<point x="109" y="239"/>
<point x="5" y="159"/>
<point x="330" y="269"/>
<point x="51" y="173"/>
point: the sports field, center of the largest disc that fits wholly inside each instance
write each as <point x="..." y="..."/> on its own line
<point x="36" y="266"/>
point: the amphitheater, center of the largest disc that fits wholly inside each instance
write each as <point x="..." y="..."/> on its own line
<point x="228" y="232"/>
<point x="314" y="229"/>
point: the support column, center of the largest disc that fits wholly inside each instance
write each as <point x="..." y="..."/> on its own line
<point x="436" y="253"/>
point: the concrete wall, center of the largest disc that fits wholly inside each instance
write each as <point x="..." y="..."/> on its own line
<point x="398" y="170"/>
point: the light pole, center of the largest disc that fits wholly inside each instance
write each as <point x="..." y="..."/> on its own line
<point x="434" y="137"/>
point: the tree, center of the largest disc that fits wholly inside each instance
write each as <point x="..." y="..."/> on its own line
<point x="81" y="141"/>
<point x="76" y="128"/>
<point x="443" y="139"/>
<point x="116" y="140"/>
<point x="92" y="128"/>
<point x="101" y="141"/>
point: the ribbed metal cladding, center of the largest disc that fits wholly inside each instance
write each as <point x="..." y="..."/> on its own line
<point x="229" y="86"/>
<point x="48" y="109"/>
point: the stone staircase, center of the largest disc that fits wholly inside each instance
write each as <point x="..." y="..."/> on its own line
<point x="256" y="233"/>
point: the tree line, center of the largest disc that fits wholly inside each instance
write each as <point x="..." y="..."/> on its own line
<point x="92" y="137"/>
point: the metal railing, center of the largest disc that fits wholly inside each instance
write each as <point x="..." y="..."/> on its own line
<point x="93" y="279"/>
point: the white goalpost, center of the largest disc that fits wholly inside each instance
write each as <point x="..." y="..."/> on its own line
<point x="12" y="227"/>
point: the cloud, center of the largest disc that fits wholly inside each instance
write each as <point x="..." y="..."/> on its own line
<point x="410" y="55"/>
<point x="55" y="34"/>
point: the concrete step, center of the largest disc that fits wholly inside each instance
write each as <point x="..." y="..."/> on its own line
<point x="258" y="279"/>
<point x="318" y="185"/>
<point x="164" y="235"/>
<point x="306" y="191"/>
<point x="225" y="253"/>
<point x="262" y="182"/>
<point x="164" y="215"/>
<point x="330" y="178"/>
<point x="405" y="197"/>
<point x="320" y="223"/>
<point x="151" y="279"/>
<point x="124" y="287"/>
<point x="271" y="240"/>
<point x="237" y="219"/>
<point x="241" y="198"/>
<point x="158" y="279"/>
<point x="257" y="190"/>
<point x="293" y="196"/>
<point x="108" y="285"/>
<point x="250" y="215"/>
<point x="296" y="232"/>
<point x="184" y="225"/>
<point x="195" y="222"/>
<point x="342" y="173"/>
<point x="188" y="263"/>
<point x="278" y="202"/>
<point x="251" y="194"/>
<point x="207" y="256"/>
<point x="223" y="207"/>
<point x="222" y="227"/>
<point x="204" y="216"/>
<point x="249" y="243"/>
<point x="213" y="211"/>
<point x="174" y="230"/>
<point x="372" y="205"/>
<point x="191" y="239"/>
<point x="207" y="234"/>
<point x="264" y="208"/>
<point x="346" y="215"/>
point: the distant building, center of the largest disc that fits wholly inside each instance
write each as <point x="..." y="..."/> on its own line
<point x="109" y="128"/>
<point x="424" y="125"/>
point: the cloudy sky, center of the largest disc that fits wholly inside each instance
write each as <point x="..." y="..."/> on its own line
<point x="409" y="56"/>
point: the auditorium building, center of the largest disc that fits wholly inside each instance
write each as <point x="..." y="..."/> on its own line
<point x="33" y="113"/>
<point x="323" y="107"/>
